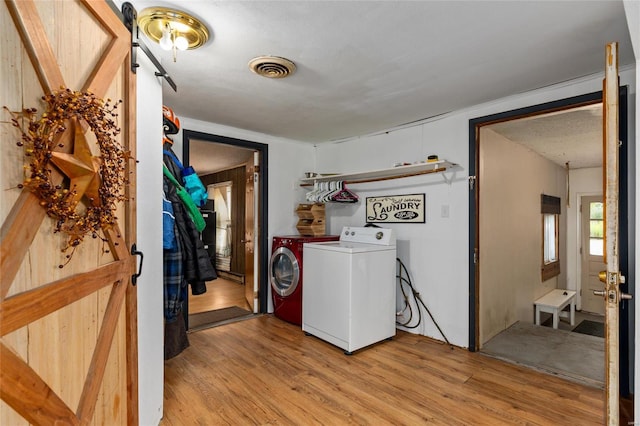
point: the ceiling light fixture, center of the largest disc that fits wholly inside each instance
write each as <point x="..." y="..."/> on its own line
<point x="172" y="29"/>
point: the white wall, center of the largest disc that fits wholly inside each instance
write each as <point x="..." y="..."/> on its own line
<point x="149" y="241"/>
<point x="436" y="253"/>
<point x="582" y="182"/>
<point x="288" y="160"/>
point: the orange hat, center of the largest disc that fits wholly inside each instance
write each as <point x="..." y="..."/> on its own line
<point x="170" y="122"/>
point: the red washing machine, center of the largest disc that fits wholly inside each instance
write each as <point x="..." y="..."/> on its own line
<point x="285" y="275"/>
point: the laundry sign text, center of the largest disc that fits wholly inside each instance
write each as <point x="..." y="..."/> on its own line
<point x="396" y="209"/>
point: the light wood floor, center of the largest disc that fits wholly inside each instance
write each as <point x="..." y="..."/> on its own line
<point x="266" y="371"/>
<point x="221" y="293"/>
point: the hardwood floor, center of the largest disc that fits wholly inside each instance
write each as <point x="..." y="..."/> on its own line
<point x="266" y="371"/>
<point x="221" y="293"/>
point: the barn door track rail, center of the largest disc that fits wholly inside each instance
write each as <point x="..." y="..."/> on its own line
<point x="129" y="17"/>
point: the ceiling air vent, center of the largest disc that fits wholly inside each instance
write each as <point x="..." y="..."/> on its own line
<point x="272" y="66"/>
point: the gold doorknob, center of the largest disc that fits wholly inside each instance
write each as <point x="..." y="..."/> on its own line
<point x="603" y="276"/>
<point x="599" y="292"/>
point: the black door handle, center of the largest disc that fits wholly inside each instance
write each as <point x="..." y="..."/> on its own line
<point x="135" y="252"/>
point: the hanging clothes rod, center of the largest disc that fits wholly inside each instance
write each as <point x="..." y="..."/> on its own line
<point x="382" y="175"/>
<point x="404" y="175"/>
<point x="129" y="16"/>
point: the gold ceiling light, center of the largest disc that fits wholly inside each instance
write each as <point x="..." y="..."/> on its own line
<point x="272" y="66"/>
<point x="172" y="29"/>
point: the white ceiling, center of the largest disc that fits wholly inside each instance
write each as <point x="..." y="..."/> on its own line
<point x="208" y="157"/>
<point x="573" y="136"/>
<point x="368" y="66"/>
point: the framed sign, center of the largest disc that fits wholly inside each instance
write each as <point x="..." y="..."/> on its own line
<point x="396" y="209"/>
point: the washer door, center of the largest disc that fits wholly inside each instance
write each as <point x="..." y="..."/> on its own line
<point x="284" y="271"/>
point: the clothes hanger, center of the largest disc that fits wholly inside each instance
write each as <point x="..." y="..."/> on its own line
<point x="331" y="189"/>
<point x="344" y="195"/>
<point x="313" y="195"/>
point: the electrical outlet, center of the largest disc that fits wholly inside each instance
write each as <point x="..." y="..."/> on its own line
<point x="444" y="210"/>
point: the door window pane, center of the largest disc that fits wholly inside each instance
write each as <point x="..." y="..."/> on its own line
<point x="596" y="231"/>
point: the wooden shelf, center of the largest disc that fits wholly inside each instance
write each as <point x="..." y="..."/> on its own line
<point x="383" y="174"/>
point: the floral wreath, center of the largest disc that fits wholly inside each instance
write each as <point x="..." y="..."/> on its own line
<point x="41" y="136"/>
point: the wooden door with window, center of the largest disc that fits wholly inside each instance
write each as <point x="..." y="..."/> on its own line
<point x="592" y="252"/>
<point x="68" y="343"/>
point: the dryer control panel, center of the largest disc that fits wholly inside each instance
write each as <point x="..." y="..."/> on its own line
<point x="368" y="235"/>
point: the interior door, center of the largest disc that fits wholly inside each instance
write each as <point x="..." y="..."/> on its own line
<point x="251" y="234"/>
<point x="611" y="277"/>
<point x="592" y="252"/>
<point x="68" y="334"/>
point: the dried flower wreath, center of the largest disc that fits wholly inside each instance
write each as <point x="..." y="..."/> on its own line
<point x="41" y="136"/>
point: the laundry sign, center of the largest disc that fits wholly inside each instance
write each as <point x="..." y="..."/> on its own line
<point x="396" y="209"/>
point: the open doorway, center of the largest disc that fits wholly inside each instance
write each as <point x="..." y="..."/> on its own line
<point x="532" y="173"/>
<point x="234" y="173"/>
<point x="504" y="286"/>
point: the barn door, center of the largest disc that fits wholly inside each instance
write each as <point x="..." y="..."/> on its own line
<point x="611" y="277"/>
<point x="68" y="333"/>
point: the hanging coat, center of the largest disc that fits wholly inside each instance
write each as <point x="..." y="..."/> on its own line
<point x="197" y="267"/>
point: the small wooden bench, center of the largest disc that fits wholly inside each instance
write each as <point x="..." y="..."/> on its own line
<point x="554" y="302"/>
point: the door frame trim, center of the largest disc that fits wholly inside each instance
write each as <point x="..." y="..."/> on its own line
<point x="263" y="220"/>
<point x="627" y="351"/>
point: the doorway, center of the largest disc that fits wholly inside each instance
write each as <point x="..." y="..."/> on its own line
<point x="233" y="171"/>
<point x="509" y="315"/>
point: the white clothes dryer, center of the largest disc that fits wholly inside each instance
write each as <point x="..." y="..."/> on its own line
<point x="349" y="296"/>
